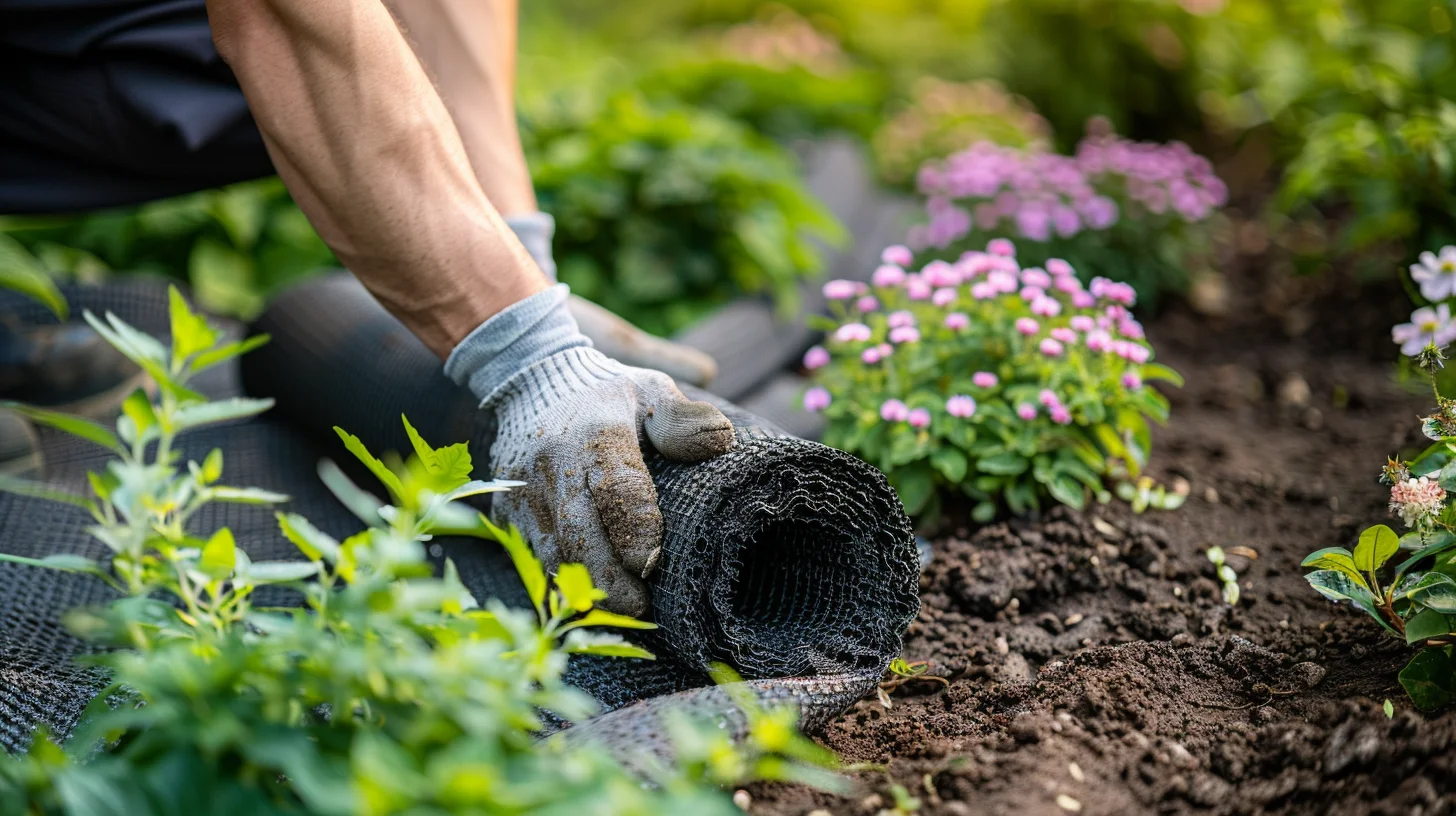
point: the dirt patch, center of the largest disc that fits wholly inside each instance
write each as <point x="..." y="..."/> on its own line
<point x="1093" y="666"/>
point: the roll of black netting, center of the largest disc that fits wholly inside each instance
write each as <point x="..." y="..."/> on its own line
<point x="789" y="561"/>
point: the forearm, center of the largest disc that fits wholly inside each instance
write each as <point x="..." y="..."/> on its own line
<point x="469" y="49"/>
<point x="370" y="153"/>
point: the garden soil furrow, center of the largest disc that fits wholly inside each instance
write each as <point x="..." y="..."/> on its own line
<point x="1092" y="665"/>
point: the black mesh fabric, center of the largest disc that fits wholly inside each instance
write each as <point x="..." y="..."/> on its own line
<point x="784" y="558"/>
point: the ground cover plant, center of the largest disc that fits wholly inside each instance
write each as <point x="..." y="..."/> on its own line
<point x="664" y="212"/>
<point x="1124" y="210"/>
<point x="1013" y="386"/>
<point x="386" y="689"/>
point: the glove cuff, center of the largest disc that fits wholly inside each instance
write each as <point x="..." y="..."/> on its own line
<point x="514" y="341"/>
<point x="534" y="230"/>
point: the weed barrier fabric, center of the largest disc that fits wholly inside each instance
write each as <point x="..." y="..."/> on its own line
<point x="791" y="562"/>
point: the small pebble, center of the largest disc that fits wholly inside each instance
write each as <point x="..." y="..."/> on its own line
<point x="819" y="812"/>
<point x="742" y="799"/>
<point x="1068" y="804"/>
<point x="1210" y="495"/>
<point x="1073" y="619"/>
<point x="1076" y="771"/>
<point x="872" y="802"/>
<point x="1001" y="646"/>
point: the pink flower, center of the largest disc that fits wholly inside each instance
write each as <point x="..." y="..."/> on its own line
<point x="1083" y="323"/>
<point x="1036" y="277"/>
<point x="960" y="406"/>
<point x="899" y="254"/>
<point x="1416" y="501"/>
<point x="841" y="289"/>
<point x="1131" y="380"/>
<point x="1139" y="354"/>
<point x="983" y="291"/>
<point x="816" y="357"/>
<point x="871" y="355"/>
<point x="955" y="321"/>
<point x="1083" y="300"/>
<point x="984" y="379"/>
<point x="1130" y="328"/>
<point x="852" y="333"/>
<point x="1046" y="307"/>
<point x="901" y="319"/>
<point x="1058" y="267"/>
<point x="940" y="273"/>
<point x="1002" y="280"/>
<point x="905" y="334"/>
<point x="1026" y="411"/>
<point x="1428" y="326"/>
<point x="919" y="418"/>
<point x="1064" y="335"/>
<point x="1002" y="247"/>
<point x="1099" y="340"/>
<point x="1068" y="284"/>
<point x="1027" y="326"/>
<point x="867" y="303"/>
<point x="888" y="275"/>
<point x="943" y="297"/>
<point x="1030" y="293"/>
<point x="1048" y="398"/>
<point x="816" y="399"/>
<point x="1051" y="348"/>
<point x="917" y="288"/>
<point x="1060" y="415"/>
<point x="894" y="411"/>
<point x="885" y="350"/>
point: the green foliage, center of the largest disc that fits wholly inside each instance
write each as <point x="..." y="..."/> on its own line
<point x="236" y="245"/>
<point x="22" y="272"/>
<point x="1226" y="575"/>
<point x="970" y="392"/>
<point x="664" y="212"/>
<point x="387" y="690"/>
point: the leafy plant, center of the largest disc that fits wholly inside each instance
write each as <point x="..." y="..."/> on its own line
<point x="1415" y="599"/>
<point x="1226" y="575"/>
<point x="664" y="212"/>
<point x="236" y="245"/>
<point x="901" y="672"/>
<point x="22" y="272"/>
<point x="1129" y="211"/>
<point x="386" y="690"/>
<point x="1005" y="384"/>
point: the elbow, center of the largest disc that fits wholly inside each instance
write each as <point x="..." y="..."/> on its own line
<point x="235" y="22"/>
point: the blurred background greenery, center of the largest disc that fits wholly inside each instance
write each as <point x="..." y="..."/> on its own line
<point x="663" y="135"/>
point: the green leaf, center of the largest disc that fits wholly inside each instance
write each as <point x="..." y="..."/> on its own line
<point x="576" y="587"/>
<point x="1004" y="464"/>
<point x="36" y="490"/>
<point x="1377" y="545"/>
<point x="1428" y="623"/>
<point x="208" y="359"/>
<point x="951" y="463"/>
<point x="192" y="416"/>
<point x="1389" y="709"/>
<point x="382" y="473"/>
<point x="68" y="423"/>
<point x="1435" y="590"/>
<point x="219" y="555"/>
<point x="64" y="562"/>
<point x="1068" y="491"/>
<point x="1337" y="585"/>
<point x="527" y="565"/>
<point x="212" y="466"/>
<point x="1231" y="593"/>
<point x="363" y="504"/>
<point x="613" y="650"/>
<point x="915" y="486"/>
<point x="448" y="468"/>
<point x="1430" y="678"/>
<point x="1158" y="371"/>
<point x="1336" y="558"/>
<point x="601" y="617"/>
<point x="280" y="572"/>
<point x="311" y="541"/>
<point x="138" y="408"/>
<point x="21" y="272"/>
<point x="190" y="332"/>
<point x="245" y="495"/>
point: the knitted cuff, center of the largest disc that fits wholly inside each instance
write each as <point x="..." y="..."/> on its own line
<point x="534" y="231"/>
<point x="513" y="341"/>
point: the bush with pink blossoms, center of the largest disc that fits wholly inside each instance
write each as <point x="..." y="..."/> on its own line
<point x="1130" y="211"/>
<point x="1008" y="385"/>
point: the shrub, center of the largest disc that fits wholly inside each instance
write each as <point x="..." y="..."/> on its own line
<point x="1005" y="384"/>
<point x="943" y="117"/>
<point x="1415" y="599"/>
<point x="664" y="212"/>
<point x="236" y="245"/>
<point x="388" y="690"/>
<point x="1128" y="211"/>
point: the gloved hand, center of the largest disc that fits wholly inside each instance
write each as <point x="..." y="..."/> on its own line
<point x="572" y="424"/>
<point x="610" y="334"/>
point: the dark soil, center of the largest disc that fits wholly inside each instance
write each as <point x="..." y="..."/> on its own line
<point x="1093" y="666"/>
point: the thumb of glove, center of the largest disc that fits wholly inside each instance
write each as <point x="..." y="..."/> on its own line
<point x="683" y="429"/>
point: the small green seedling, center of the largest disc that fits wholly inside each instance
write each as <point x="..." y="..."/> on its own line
<point x="1146" y="494"/>
<point x="901" y="672"/>
<point x="1389" y="709"/>
<point x="1226" y="575"/>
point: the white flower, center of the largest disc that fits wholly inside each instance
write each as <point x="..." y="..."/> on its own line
<point x="1436" y="274"/>
<point x="1427" y="326"/>
<point x="1416" y="500"/>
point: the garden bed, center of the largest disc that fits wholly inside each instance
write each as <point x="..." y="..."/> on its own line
<point x="1093" y="666"/>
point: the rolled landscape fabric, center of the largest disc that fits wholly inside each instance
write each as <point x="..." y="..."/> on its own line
<point x="791" y="562"/>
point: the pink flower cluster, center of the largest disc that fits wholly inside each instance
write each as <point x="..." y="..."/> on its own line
<point x="1416" y="501"/>
<point x="1039" y="195"/>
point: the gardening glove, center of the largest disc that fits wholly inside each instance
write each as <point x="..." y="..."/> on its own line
<point x="571" y="425"/>
<point x="610" y="334"/>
